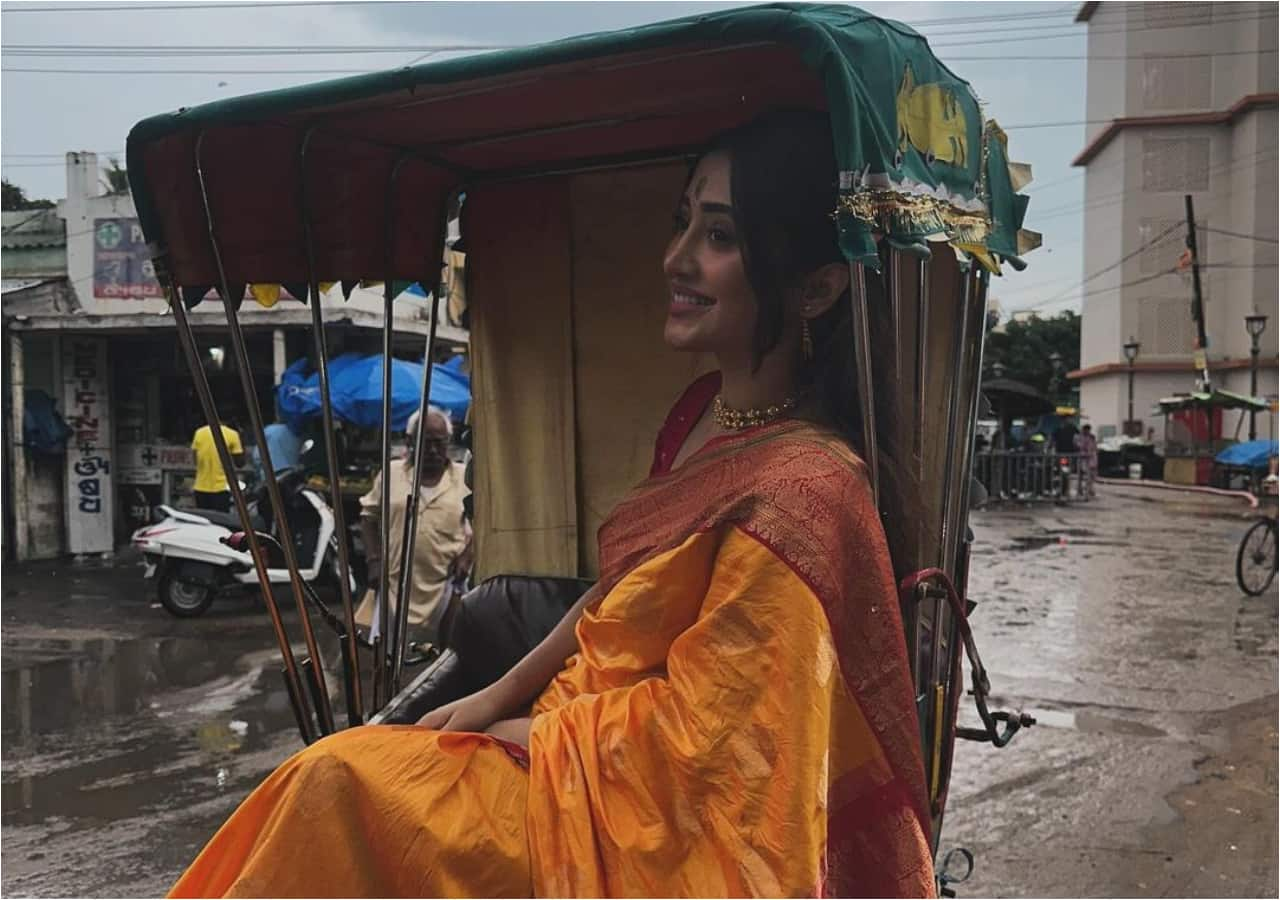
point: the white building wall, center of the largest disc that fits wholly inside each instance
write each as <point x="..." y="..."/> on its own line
<point x="1135" y="187"/>
<point x="1104" y="228"/>
<point x="1107" y="46"/>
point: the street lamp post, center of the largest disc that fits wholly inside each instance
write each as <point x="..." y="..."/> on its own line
<point x="1131" y="348"/>
<point x="1255" y="325"/>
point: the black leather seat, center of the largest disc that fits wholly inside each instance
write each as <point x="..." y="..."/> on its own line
<point x="486" y="632"/>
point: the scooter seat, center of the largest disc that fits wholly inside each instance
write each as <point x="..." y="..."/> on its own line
<point x="229" y="519"/>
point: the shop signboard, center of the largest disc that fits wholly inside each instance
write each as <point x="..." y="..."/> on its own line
<point x="122" y="267"/>
<point x="89" y="504"/>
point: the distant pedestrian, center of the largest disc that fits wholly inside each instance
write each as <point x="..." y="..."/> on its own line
<point x="211" y="489"/>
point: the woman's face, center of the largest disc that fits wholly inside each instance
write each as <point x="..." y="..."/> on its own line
<point x="713" y="307"/>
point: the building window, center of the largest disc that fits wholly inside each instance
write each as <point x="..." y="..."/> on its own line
<point x="1165" y="327"/>
<point x="1171" y="82"/>
<point x="1177" y="15"/>
<point x="1175" y="164"/>
<point x="1163" y="253"/>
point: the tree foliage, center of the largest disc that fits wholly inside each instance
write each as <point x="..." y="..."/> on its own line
<point x="1025" y="349"/>
<point x="15" y="199"/>
<point x="115" y="178"/>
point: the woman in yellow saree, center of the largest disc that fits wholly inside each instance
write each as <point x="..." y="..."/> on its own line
<point x="728" y="711"/>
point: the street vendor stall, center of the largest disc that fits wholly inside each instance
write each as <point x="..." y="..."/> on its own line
<point x="1193" y="433"/>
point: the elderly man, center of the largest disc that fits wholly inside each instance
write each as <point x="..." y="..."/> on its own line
<point x="442" y="546"/>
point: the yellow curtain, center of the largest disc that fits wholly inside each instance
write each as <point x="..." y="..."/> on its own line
<point x="522" y="384"/>
<point x="571" y="377"/>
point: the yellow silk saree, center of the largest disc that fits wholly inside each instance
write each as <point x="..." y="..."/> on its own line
<point x="738" y="721"/>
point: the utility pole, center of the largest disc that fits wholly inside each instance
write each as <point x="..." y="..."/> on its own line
<point x="1197" y="302"/>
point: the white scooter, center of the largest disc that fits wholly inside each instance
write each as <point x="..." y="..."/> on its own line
<point x="186" y="550"/>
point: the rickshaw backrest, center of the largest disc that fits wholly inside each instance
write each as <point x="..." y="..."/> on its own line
<point x="486" y="632"/>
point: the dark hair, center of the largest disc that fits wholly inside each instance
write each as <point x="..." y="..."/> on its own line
<point x="783" y="184"/>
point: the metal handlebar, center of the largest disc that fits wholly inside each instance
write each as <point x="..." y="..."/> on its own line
<point x="991" y="731"/>
<point x="239" y="542"/>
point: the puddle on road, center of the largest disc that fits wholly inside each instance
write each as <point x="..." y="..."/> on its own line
<point x="1095" y="723"/>
<point x="61" y="685"/>
<point x="1065" y="537"/>
<point x="162" y="770"/>
<point x="100" y="730"/>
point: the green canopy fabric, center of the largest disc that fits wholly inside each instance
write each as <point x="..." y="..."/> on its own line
<point x="1217" y="399"/>
<point x="365" y="166"/>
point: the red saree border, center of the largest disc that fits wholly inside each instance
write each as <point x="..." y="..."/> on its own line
<point x="801" y="492"/>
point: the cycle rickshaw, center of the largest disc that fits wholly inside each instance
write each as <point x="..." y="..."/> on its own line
<point x="297" y="190"/>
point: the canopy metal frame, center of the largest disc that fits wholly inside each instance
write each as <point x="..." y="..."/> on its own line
<point x="351" y="666"/>
<point x="313" y="664"/>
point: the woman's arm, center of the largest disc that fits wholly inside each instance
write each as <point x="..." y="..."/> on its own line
<point x="516" y="689"/>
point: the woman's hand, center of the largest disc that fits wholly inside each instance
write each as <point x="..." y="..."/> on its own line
<point x="475" y="712"/>
<point x="514" y="730"/>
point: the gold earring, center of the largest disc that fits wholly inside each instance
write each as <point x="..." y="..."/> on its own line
<point x="806" y="340"/>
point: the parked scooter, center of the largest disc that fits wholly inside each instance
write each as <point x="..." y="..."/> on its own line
<point x="186" y="551"/>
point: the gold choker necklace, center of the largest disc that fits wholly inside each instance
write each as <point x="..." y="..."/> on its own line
<point x="738" y="419"/>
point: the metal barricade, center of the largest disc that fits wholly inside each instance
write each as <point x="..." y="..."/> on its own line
<point x="1034" y="476"/>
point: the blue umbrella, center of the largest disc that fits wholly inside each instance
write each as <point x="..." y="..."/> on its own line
<point x="355" y="386"/>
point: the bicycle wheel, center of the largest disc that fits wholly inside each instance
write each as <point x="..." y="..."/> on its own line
<point x="1256" y="560"/>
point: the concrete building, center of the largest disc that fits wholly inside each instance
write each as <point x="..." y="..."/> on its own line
<point x="1181" y="100"/>
<point x="85" y="323"/>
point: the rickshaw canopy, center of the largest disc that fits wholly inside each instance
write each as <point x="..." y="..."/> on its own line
<point x="351" y="179"/>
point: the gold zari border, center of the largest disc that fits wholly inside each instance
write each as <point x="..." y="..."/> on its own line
<point x="894" y="212"/>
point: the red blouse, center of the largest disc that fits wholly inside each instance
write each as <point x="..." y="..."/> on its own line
<point x="680" y="421"/>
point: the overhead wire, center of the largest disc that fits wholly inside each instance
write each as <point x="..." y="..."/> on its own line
<point x="1111" y="198"/>
<point x="1146" y="245"/>
<point x="1069" y="296"/>
<point x="1063" y="10"/>
<point x="1237" y="234"/>
<point x="994" y="35"/>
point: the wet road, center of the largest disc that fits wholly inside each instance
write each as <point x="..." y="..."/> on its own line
<point x="130" y="735"/>
<point x="1153" y="769"/>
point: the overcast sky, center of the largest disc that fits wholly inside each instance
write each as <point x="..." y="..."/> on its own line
<point x="1024" y="60"/>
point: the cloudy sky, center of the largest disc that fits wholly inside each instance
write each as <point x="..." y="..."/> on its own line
<point x="77" y="76"/>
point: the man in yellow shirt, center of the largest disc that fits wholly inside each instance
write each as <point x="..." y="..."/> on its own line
<point x="211" y="488"/>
